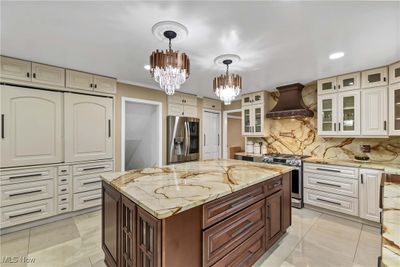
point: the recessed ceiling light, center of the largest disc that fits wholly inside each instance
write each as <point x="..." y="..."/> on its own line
<point x="147" y="67"/>
<point x="336" y="55"/>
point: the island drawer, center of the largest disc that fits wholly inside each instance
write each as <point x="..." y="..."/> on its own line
<point x="87" y="199"/>
<point x="337" y="185"/>
<point x="223" y="237"/>
<point x="273" y="185"/>
<point x="25" y="192"/>
<point x="247" y="253"/>
<point x="27" y="175"/>
<point x="332" y="170"/>
<point x="222" y="208"/>
<point x="95" y="167"/>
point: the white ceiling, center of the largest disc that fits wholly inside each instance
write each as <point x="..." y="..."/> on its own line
<point x="279" y="42"/>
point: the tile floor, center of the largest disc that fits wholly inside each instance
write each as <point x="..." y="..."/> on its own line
<point x="314" y="239"/>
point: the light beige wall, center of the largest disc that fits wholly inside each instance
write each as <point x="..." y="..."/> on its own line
<point x="234" y="105"/>
<point x="132" y="91"/>
<point x="235" y="137"/>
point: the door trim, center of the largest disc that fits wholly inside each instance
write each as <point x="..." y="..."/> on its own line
<point x="124" y="100"/>
<point x="225" y="130"/>
<point x="202" y="131"/>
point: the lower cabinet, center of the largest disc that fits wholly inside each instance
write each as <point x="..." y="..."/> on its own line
<point x="369" y="194"/>
<point x="214" y="234"/>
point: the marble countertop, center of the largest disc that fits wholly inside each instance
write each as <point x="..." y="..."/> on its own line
<point x="389" y="168"/>
<point x="248" y="154"/>
<point x="391" y="224"/>
<point x="168" y="190"/>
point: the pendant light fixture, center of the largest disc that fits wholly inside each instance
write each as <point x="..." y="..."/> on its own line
<point x="169" y="68"/>
<point x="227" y="86"/>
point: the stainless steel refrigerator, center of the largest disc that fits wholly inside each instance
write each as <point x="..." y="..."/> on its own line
<point x="183" y="139"/>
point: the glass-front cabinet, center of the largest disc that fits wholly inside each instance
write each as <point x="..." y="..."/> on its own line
<point x="258" y="119"/>
<point x="349" y="113"/>
<point x="327" y="111"/>
<point x="394" y="73"/>
<point x="327" y="85"/>
<point x="374" y="77"/>
<point x="349" y="81"/>
<point x="246" y="120"/>
<point x="253" y="120"/>
<point x="394" y="109"/>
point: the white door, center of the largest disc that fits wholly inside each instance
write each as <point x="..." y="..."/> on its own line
<point x="394" y="109"/>
<point x="88" y="127"/>
<point x="31" y="126"/>
<point x="211" y="138"/>
<point x="349" y="113"/>
<point x="374" y="111"/>
<point x="369" y="194"/>
<point x="327" y="114"/>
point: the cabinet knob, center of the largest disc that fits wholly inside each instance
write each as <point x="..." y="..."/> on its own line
<point x="384" y="79"/>
<point x="34" y="75"/>
<point x="91" y="85"/>
<point x="95" y="85"/>
<point x="27" y="74"/>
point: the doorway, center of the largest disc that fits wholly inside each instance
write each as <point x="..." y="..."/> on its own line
<point x="141" y="134"/>
<point x="211" y="134"/>
<point x="232" y="133"/>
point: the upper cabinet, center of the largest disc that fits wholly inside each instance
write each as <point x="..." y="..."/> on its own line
<point x="31" y="126"/>
<point x="349" y="81"/>
<point x="374" y="112"/>
<point x="181" y="104"/>
<point x="88" y="124"/>
<point x="211" y="104"/>
<point x="394" y="109"/>
<point x="394" y="73"/>
<point x="86" y="81"/>
<point x="374" y="77"/>
<point x="17" y="71"/>
<point x="253" y="114"/>
<point x="327" y="114"/>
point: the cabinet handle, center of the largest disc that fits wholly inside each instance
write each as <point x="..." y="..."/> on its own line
<point x="218" y="139"/>
<point x="25" y="176"/>
<point x="241" y="202"/>
<point x="93" y="182"/>
<point x="34" y="75"/>
<point x="338" y="86"/>
<point x="25" y="193"/>
<point x="384" y="125"/>
<point x="334" y="87"/>
<point x="334" y="127"/>
<point x="63" y="208"/>
<point x="23" y="214"/>
<point x="63" y="190"/>
<point x="63" y="199"/>
<point x="339" y="126"/>
<point x="362" y="178"/>
<point x="335" y="185"/>
<point x="269" y="211"/>
<point x="27" y="74"/>
<point x="213" y="106"/>
<point x="63" y="170"/>
<point x="93" y="168"/>
<point x="109" y="128"/>
<point x="328" y="201"/>
<point x="92" y="199"/>
<point x="384" y="79"/>
<point x="328" y="170"/>
<point x="204" y="139"/>
<point x="243" y="229"/>
<point x="242" y="262"/>
<point x="95" y="85"/>
<point x="91" y="85"/>
<point x="2" y="126"/>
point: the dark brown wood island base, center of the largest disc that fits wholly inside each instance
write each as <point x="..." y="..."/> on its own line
<point x="234" y="230"/>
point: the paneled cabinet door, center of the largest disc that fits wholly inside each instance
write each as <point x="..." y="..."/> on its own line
<point x="374" y="77"/>
<point x="327" y="114"/>
<point x="394" y="73"/>
<point x="49" y="75"/>
<point x="175" y="110"/>
<point x="128" y="233"/>
<point x="31" y="125"/>
<point x="394" y="109"/>
<point x="79" y="80"/>
<point x="190" y="111"/>
<point x="369" y="194"/>
<point x="258" y="119"/>
<point x="88" y="127"/>
<point x="247" y="114"/>
<point x="274" y="223"/>
<point x="374" y="112"/>
<point x="12" y="68"/>
<point x="111" y="224"/>
<point x="326" y="86"/>
<point x="247" y="99"/>
<point x="104" y="84"/>
<point x="148" y="240"/>
<point x="349" y="81"/>
<point x="349" y="113"/>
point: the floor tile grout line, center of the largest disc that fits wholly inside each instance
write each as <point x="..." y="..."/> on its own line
<point x="358" y="242"/>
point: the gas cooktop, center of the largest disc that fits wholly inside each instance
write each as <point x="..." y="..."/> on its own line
<point x="286" y="159"/>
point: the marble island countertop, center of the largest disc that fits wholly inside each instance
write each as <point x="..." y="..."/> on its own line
<point x="165" y="191"/>
<point x="387" y="167"/>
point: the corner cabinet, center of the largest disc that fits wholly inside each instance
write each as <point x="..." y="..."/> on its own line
<point x="394" y="109"/>
<point x="369" y="190"/>
<point x="31" y="126"/>
<point x="88" y="127"/>
<point x="253" y="114"/>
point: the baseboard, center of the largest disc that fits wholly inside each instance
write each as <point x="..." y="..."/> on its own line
<point x="59" y="217"/>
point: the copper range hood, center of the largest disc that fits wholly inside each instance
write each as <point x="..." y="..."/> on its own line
<point x="290" y="103"/>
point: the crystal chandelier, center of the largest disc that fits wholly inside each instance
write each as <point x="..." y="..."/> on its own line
<point x="169" y="68"/>
<point x="227" y="86"/>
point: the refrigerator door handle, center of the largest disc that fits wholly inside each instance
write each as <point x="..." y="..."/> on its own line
<point x="188" y="139"/>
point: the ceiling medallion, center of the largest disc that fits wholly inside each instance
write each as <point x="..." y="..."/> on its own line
<point x="227" y="86"/>
<point x="169" y="68"/>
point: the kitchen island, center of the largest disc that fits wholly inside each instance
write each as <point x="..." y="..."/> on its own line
<point x="203" y="213"/>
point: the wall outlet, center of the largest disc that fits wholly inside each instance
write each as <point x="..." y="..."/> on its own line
<point x="365" y="148"/>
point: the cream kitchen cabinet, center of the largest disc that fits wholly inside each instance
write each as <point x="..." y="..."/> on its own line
<point x="253" y="98"/>
<point x="182" y="105"/>
<point x="374" y="111"/>
<point x="48" y="75"/>
<point x="86" y="81"/>
<point x="211" y="104"/>
<point x="16" y="69"/>
<point x="88" y="127"/>
<point x="345" y="82"/>
<point x="374" y="77"/>
<point x="394" y="109"/>
<point x="369" y="194"/>
<point x="394" y="73"/>
<point x="253" y="121"/>
<point x="185" y="99"/>
<point x="327" y="114"/>
<point x="31" y="126"/>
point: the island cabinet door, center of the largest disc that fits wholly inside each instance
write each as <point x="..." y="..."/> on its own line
<point x="111" y="224"/>
<point x="148" y="240"/>
<point x="128" y="233"/>
<point x="274" y="222"/>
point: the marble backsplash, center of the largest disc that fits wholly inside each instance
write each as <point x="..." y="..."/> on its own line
<point x="299" y="136"/>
